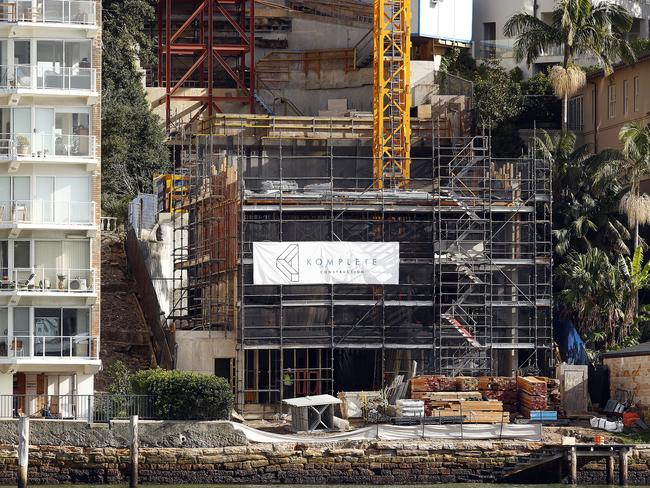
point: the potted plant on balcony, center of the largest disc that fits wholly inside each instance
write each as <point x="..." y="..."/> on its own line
<point x="22" y="146"/>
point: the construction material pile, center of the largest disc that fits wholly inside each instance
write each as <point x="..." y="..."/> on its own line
<point x="532" y="394"/>
<point x="486" y="399"/>
<point x="502" y="388"/>
<point x="449" y="397"/>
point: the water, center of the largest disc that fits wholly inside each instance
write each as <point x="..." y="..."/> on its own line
<point x="457" y="485"/>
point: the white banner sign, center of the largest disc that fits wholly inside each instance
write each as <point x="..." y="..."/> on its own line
<point x="310" y="263"/>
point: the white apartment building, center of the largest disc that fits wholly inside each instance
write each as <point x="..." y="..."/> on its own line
<point x="491" y="15"/>
<point x="50" y="59"/>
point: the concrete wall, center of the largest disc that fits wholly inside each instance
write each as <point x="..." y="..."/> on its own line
<point x="197" y="349"/>
<point x="116" y="434"/>
<point x="158" y="258"/>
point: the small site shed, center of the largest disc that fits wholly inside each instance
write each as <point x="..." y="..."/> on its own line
<point x="629" y="374"/>
<point x="312" y="413"/>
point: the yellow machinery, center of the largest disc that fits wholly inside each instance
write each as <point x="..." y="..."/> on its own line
<point x="392" y="96"/>
<point x="170" y="191"/>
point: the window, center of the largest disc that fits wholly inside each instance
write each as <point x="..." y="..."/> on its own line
<point x="611" y="99"/>
<point x="576" y="114"/>
<point x="626" y="96"/>
<point x="636" y="94"/>
<point x="489" y="46"/>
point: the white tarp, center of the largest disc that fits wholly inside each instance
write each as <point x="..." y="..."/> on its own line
<point x="311" y="263"/>
<point x="524" y="432"/>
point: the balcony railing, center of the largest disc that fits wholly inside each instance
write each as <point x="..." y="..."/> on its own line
<point x="72" y="12"/>
<point x="47" y="212"/>
<point x="504" y="49"/>
<point x="48" y="280"/>
<point x="80" y="346"/>
<point x="30" y="145"/>
<point x="28" y="77"/>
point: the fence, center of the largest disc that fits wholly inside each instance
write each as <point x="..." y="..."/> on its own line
<point x="92" y="408"/>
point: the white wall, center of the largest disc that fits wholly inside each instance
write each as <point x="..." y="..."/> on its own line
<point x="197" y="349"/>
<point x="6" y="388"/>
<point x="446" y="19"/>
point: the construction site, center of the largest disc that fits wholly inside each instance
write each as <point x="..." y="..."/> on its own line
<point x="469" y="235"/>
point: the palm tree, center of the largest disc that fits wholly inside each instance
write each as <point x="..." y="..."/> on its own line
<point x="585" y="214"/>
<point x="581" y="27"/>
<point x="600" y="294"/>
<point x="635" y="137"/>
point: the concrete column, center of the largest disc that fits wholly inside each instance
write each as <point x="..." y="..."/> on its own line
<point x="6" y="389"/>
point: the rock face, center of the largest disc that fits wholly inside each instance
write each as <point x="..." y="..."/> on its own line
<point x="124" y="333"/>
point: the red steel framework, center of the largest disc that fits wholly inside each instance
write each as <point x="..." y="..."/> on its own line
<point x="200" y="40"/>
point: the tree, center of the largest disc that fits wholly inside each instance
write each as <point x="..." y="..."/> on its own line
<point x="585" y="213"/>
<point x="579" y="27"/>
<point x="600" y="294"/>
<point x="635" y="138"/>
<point x="133" y="142"/>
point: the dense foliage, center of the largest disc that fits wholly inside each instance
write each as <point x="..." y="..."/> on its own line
<point x="132" y="138"/>
<point x="184" y="395"/>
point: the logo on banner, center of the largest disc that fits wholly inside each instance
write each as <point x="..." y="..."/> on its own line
<point x="289" y="264"/>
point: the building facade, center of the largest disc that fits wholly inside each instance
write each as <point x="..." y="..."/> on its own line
<point x="606" y="103"/>
<point x="490" y="16"/>
<point x="50" y="59"/>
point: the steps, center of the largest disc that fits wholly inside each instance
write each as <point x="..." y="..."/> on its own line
<point x="124" y="333"/>
<point x="521" y="464"/>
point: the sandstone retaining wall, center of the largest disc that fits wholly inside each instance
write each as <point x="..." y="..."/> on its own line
<point x="360" y="463"/>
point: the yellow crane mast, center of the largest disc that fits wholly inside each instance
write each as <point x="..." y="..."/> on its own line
<point x="392" y="97"/>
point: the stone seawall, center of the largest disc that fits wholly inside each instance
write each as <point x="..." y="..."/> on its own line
<point x="378" y="462"/>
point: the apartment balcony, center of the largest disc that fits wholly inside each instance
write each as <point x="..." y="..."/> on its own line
<point x="34" y="18"/>
<point x="21" y="215"/>
<point x="52" y="283"/>
<point x="38" y="148"/>
<point x="40" y="349"/>
<point x="47" y="81"/>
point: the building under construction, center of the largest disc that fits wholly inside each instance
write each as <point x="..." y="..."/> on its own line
<point x="474" y="232"/>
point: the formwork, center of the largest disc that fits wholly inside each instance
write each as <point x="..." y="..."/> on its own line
<point x="474" y="293"/>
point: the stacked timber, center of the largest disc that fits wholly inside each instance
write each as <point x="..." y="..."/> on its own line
<point x="553" y="393"/>
<point x="502" y="388"/>
<point x="472" y="411"/>
<point x="456" y="397"/>
<point x="433" y="383"/>
<point x="466" y="383"/>
<point x="532" y="394"/>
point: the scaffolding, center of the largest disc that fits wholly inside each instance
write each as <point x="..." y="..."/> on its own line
<point x="475" y="255"/>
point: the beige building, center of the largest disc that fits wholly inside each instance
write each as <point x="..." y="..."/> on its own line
<point x="608" y="102"/>
<point x="50" y="183"/>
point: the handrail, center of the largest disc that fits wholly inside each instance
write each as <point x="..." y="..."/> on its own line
<point x="35" y="346"/>
<point x="276" y="96"/>
<point x="71" y="12"/>
<point x="38" y="77"/>
<point x="40" y="211"/>
<point x="367" y="40"/>
<point x="50" y="280"/>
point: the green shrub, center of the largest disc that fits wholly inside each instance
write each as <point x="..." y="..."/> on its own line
<point x="183" y="395"/>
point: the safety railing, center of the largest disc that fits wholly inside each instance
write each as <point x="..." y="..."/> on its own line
<point x="72" y="12"/>
<point x="47" y="212"/>
<point x="49" y="280"/>
<point x="37" y="145"/>
<point x="80" y="346"/>
<point x="28" y="77"/>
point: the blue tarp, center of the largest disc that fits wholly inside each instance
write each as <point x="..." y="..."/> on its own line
<point x="572" y="347"/>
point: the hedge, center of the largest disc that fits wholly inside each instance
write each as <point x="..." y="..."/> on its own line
<point x="183" y="395"/>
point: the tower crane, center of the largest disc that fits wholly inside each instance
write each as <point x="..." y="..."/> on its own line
<point x="392" y="97"/>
